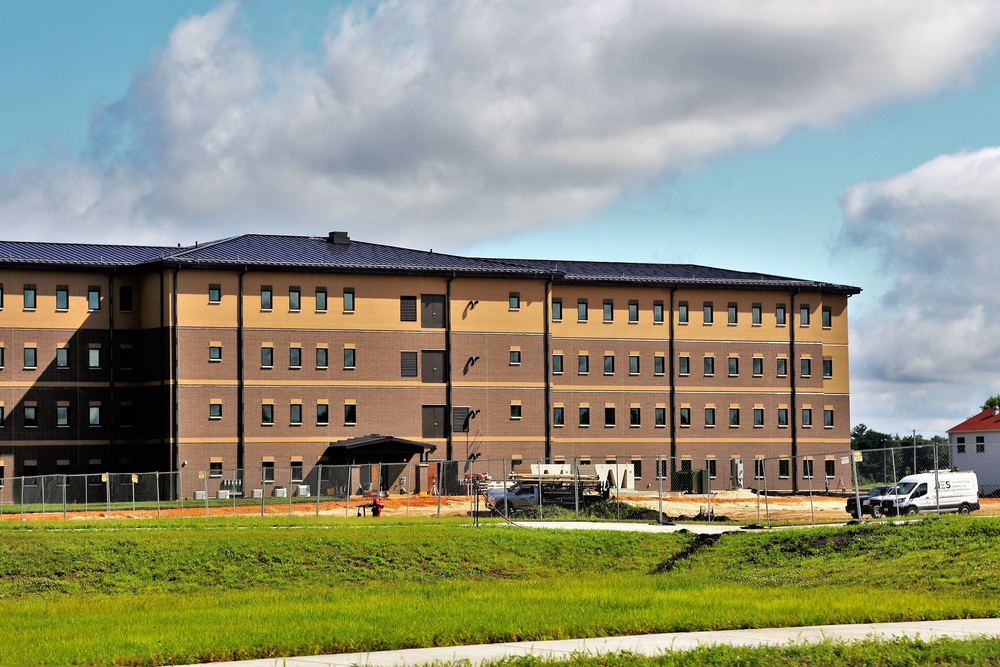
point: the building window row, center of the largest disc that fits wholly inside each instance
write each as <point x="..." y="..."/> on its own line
<point x="608" y="311"/>
<point x="735" y="416"/>
<point x="295" y="414"/>
<point x="94" y="356"/>
<point x="321" y="299"/>
<point x="295" y="358"/>
<point x="684" y="365"/>
<point x="635" y="415"/>
<point x="733" y="314"/>
<point x="30" y="293"/>
<point x="30" y="414"/>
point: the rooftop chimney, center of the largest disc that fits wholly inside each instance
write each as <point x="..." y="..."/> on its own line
<point x="996" y="410"/>
<point x="338" y="238"/>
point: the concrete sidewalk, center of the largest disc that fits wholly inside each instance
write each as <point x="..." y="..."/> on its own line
<point x="641" y="644"/>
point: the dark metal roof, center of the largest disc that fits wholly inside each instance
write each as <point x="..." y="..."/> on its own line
<point x="374" y="439"/>
<point x="78" y="254"/>
<point x="318" y="253"/>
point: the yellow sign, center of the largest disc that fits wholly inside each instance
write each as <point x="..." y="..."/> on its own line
<point x="135" y="479"/>
<point x="201" y="474"/>
<point x="857" y="457"/>
<point x="104" y="477"/>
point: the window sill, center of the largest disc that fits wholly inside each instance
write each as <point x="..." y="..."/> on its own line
<point x="661" y="426"/>
<point x="558" y="425"/>
<point x="31" y="368"/>
<point x="350" y="424"/>
<point x="295" y="368"/>
<point x="266" y="368"/>
<point x="351" y="312"/>
<point x="212" y="361"/>
<point x="321" y="311"/>
<point x="267" y="424"/>
<point x="322" y="368"/>
<point x="295" y="424"/>
<point x="350" y="368"/>
<point x="62" y="310"/>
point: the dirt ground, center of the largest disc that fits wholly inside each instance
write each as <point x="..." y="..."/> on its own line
<point x="740" y="506"/>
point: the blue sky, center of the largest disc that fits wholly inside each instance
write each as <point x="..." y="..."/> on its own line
<point x="853" y="143"/>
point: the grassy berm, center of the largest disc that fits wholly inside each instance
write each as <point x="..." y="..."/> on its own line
<point x="145" y="592"/>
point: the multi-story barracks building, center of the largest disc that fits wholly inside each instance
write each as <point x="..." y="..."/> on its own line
<point x="263" y="350"/>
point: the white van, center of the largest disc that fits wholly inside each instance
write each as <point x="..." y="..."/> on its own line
<point x="955" y="492"/>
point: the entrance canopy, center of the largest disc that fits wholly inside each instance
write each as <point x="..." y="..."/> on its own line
<point x="375" y="448"/>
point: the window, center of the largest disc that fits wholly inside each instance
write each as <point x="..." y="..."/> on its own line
<point x="827" y="315"/>
<point x="350" y="414"/>
<point x="295" y="357"/>
<point x="62" y="357"/>
<point x="1" y="295"/>
<point x="784" y="467"/>
<point x="408" y="364"/>
<point x="558" y="416"/>
<point x="124" y="357"/>
<point x="557" y="310"/>
<point x="581" y="310"/>
<point x="266" y="300"/>
<point x="758" y="468"/>
<point x="633" y="311"/>
<point x="734" y="416"/>
<point x="350" y="354"/>
<point x="125" y="299"/>
<point x="807" y="468"/>
<point x="62" y="297"/>
<point x="215" y="353"/>
<point x="295" y="414"/>
<point x="780" y="315"/>
<point x="633" y="364"/>
<point x="322" y="357"/>
<point x="609" y="416"/>
<point x="732" y="313"/>
<point x="30" y="358"/>
<point x="686" y="465"/>
<point x="267" y="357"/>
<point x="609" y="310"/>
<point x="634" y="417"/>
<point x="710" y="417"/>
<point x="684" y="365"/>
<point x="296" y="471"/>
<point x="637" y="468"/>
<point x="94" y="357"/>
<point x="407" y="309"/>
<point x="321" y="300"/>
<point x="830" y="467"/>
<point x="515" y="357"/>
<point x="584" y="416"/>
<point x="215" y="469"/>
<point x="756" y="314"/>
<point x="30" y="416"/>
<point x="980" y="444"/>
<point x="583" y="364"/>
<point x="734" y="366"/>
<point x="828" y="418"/>
<point x="709" y="363"/>
<point x="685" y="417"/>
<point x="804" y="315"/>
<point x="960" y="449"/>
<point x="514" y="301"/>
<point x="807" y="417"/>
<point x="294" y="298"/>
<point x="349" y="302"/>
<point x="62" y="415"/>
<point x="828" y="368"/>
<point x="30" y="301"/>
<point x="267" y="472"/>
<point x="758" y="366"/>
<point x="758" y="417"/>
<point x="658" y="312"/>
<point x="712" y="468"/>
<point x="214" y="293"/>
<point x="782" y="366"/>
<point x="782" y="416"/>
<point x="267" y="414"/>
<point x="93" y="298"/>
<point x="609" y="364"/>
<point x="682" y="312"/>
<point x="322" y="414"/>
<point x="707" y="314"/>
<point x="659" y="364"/>
<point x="515" y="410"/>
<point x="806" y="364"/>
<point x="95" y="415"/>
<point x="660" y="417"/>
<point x="215" y="410"/>
<point x="557" y="364"/>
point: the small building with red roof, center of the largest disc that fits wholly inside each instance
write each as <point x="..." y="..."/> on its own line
<point x="974" y="446"/>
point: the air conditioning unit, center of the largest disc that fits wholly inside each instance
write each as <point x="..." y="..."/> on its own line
<point x="223" y="494"/>
<point x="304" y="490"/>
<point x="200" y="495"/>
<point x="280" y="492"/>
<point x="258" y="493"/>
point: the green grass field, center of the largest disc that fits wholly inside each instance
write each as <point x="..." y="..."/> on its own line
<point x="155" y="592"/>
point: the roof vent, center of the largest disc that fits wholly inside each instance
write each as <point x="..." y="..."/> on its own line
<point x="338" y="238"/>
<point x="996" y="410"/>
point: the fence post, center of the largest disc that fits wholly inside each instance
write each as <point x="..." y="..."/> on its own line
<point x="263" y="492"/>
<point x="43" y="494"/>
<point x="319" y="485"/>
<point x="659" y="487"/>
<point x="506" y="509"/>
<point x="857" y="492"/>
<point x="576" y="487"/>
<point x="107" y="492"/>
<point x="180" y="489"/>
<point x="709" y="470"/>
<point x="438" y="489"/>
<point x="157" y="477"/>
<point x="937" y="484"/>
<point x="409" y="479"/>
<point x="204" y="476"/>
<point x="767" y="504"/>
<point x="540" y="464"/>
<point x="812" y="507"/>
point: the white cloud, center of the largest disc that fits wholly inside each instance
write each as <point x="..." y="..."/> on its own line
<point x="472" y="119"/>
<point x="928" y="355"/>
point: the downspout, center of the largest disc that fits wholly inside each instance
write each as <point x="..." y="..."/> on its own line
<point x="673" y="387"/>
<point x="794" y="417"/>
<point x="240" y="379"/>
<point x="163" y="379"/>
<point x="447" y="356"/>
<point x="546" y="369"/>
<point x="175" y="390"/>
<point x="112" y="356"/>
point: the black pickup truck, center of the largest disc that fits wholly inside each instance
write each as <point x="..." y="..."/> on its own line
<point x="870" y="502"/>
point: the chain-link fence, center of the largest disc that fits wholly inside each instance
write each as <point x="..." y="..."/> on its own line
<point x="813" y="488"/>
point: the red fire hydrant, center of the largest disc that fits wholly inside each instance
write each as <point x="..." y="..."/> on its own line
<point x="377" y="506"/>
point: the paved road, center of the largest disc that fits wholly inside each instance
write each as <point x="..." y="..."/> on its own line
<point x="699" y="528"/>
<point x="640" y="644"/>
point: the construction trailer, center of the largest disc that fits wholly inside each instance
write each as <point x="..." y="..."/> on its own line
<point x="563" y="489"/>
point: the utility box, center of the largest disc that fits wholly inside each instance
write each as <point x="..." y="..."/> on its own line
<point x="200" y="495"/>
<point x="303" y="490"/>
<point x="258" y="493"/>
<point x="280" y="492"/>
<point x="223" y="494"/>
